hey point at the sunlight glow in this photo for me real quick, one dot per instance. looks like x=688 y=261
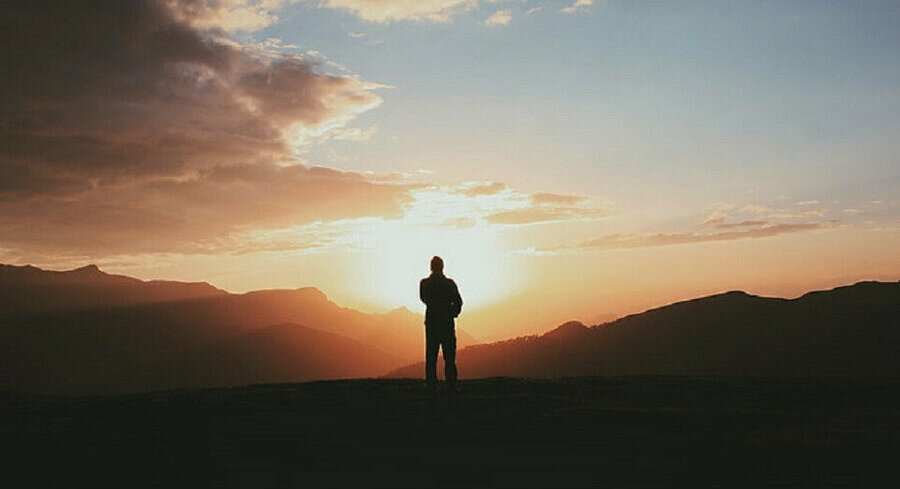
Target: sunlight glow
x=472 y=257
x=474 y=253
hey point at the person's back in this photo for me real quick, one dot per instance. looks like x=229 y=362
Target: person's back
x=443 y=304
x=441 y=297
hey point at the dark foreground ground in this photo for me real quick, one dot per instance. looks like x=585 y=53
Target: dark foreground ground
x=590 y=432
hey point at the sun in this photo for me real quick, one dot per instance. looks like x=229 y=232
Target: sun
x=474 y=257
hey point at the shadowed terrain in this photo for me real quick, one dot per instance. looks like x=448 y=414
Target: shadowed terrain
x=86 y=332
x=847 y=331
x=574 y=432
x=27 y=290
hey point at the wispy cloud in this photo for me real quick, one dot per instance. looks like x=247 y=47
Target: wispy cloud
x=229 y=15
x=547 y=207
x=548 y=198
x=500 y=17
x=623 y=240
x=540 y=214
x=577 y=6
x=396 y=10
x=383 y=11
x=474 y=189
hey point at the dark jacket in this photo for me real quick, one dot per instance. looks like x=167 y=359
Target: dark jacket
x=441 y=296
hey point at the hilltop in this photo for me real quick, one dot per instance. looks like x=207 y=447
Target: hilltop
x=847 y=331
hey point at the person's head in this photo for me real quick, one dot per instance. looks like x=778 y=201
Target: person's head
x=437 y=264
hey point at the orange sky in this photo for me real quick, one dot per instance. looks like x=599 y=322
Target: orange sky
x=569 y=161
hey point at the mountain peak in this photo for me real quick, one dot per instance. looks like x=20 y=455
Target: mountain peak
x=87 y=270
x=313 y=292
x=567 y=330
x=399 y=311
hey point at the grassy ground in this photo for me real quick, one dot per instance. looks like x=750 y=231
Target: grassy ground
x=578 y=432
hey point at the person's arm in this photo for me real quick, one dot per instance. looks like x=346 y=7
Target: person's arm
x=457 y=300
x=423 y=292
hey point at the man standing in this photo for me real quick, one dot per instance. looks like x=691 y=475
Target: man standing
x=443 y=304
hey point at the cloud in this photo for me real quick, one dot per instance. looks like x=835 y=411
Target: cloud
x=756 y=209
x=799 y=215
x=459 y=222
x=394 y=10
x=620 y=240
x=500 y=17
x=741 y=224
x=545 y=207
x=577 y=6
x=474 y=189
x=383 y=11
x=533 y=215
x=228 y=15
x=546 y=198
x=197 y=214
x=720 y=221
x=154 y=132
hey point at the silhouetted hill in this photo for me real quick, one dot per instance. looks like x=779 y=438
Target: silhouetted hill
x=280 y=353
x=847 y=331
x=103 y=333
x=26 y=290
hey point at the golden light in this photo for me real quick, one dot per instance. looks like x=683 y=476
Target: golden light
x=473 y=258
x=397 y=252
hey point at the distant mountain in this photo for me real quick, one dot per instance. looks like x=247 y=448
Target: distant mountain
x=85 y=331
x=847 y=331
x=26 y=290
x=280 y=353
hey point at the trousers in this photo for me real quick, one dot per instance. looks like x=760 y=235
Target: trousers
x=440 y=335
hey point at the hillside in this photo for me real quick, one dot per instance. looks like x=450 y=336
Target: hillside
x=27 y=290
x=847 y=331
x=85 y=331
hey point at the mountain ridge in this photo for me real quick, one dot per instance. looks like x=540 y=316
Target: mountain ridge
x=77 y=333
x=846 y=330
x=85 y=331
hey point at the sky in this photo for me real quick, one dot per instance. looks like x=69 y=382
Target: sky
x=569 y=159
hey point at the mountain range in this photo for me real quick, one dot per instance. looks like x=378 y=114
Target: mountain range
x=848 y=331
x=85 y=331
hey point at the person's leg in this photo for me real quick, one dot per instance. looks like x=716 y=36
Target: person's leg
x=449 y=347
x=432 y=344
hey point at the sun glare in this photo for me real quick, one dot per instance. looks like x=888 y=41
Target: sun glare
x=473 y=258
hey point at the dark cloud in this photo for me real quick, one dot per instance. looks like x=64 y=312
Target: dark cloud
x=129 y=127
x=197 y=214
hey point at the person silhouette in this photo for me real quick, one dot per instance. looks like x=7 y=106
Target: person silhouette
x=443 y=304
